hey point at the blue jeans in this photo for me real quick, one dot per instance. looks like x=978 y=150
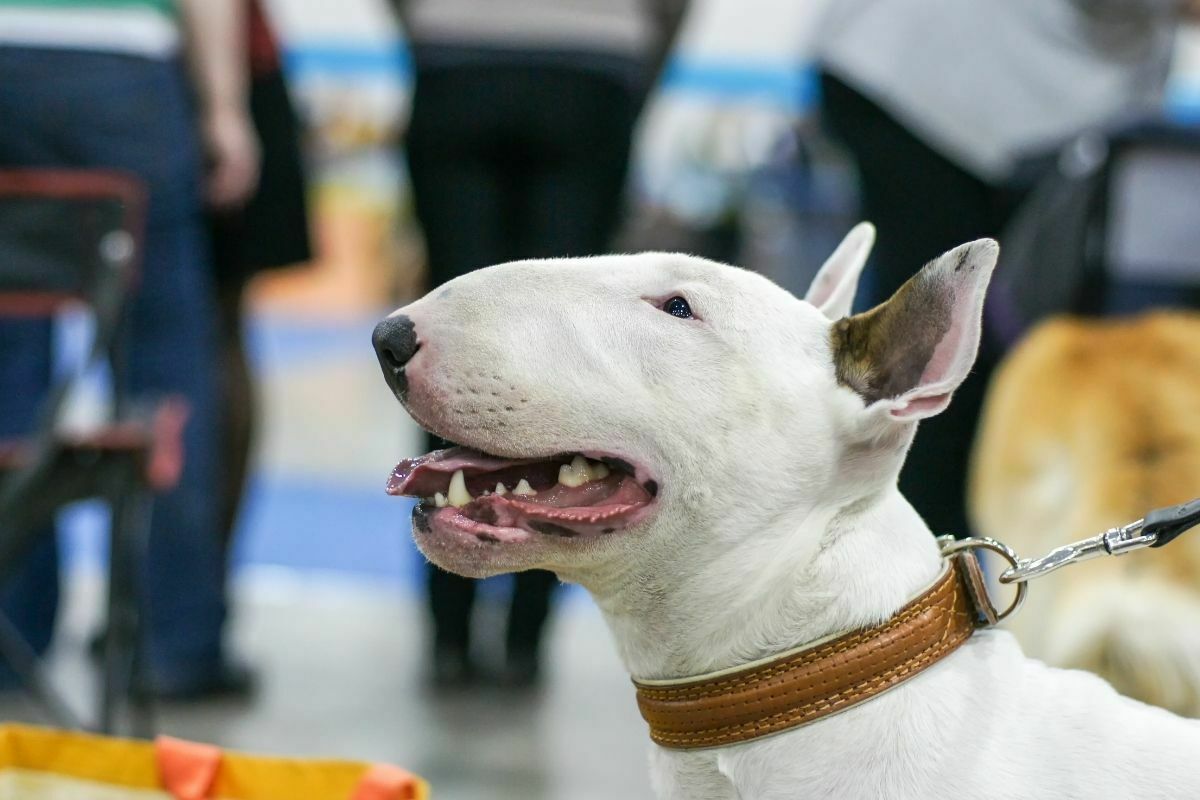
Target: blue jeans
x=75 y=109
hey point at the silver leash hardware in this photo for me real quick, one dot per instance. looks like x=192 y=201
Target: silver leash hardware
x=1154 y=530
x=980 y=599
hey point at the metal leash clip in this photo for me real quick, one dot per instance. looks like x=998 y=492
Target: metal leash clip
x=1155 y=530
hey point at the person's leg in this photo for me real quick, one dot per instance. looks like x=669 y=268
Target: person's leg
x=920 y=202
x=31 y=136
x=237 y=405
x=575 y=143
x=95 y=110
x=270 y=230
x=172 y=351
x=451 y=600
x=29 y=594
x=922 y=205
x=458 y=196
x=527 y=617
x=459 y=203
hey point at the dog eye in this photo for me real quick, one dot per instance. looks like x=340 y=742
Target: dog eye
x=678 y=307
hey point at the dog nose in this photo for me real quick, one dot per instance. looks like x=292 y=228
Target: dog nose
x=395 y=341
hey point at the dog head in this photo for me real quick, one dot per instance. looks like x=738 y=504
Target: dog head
x=660 y=407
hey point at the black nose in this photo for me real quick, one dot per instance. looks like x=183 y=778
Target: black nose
x=395 y=341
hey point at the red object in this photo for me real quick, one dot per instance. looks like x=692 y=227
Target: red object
x=187 y=770
x=385 y=782
x=165 y=465
x=264 y=50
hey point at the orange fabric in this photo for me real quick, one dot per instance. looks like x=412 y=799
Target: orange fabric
x=198 y=772
x=385 y=782
x=81 y=756
x=188 y=770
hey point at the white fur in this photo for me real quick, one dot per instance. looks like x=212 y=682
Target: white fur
x=778 y=521
x=833 y=288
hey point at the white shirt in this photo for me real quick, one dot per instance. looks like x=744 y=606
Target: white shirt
x=618 y=26
x=985 y=81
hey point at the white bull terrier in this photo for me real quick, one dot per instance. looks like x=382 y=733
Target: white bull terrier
x=715 y=460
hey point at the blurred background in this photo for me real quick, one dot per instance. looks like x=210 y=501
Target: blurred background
x=752 y=131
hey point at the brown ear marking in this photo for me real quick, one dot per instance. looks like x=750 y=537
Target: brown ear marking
x=883 y=352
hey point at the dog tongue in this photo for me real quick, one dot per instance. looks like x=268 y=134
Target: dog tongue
x=447 y=462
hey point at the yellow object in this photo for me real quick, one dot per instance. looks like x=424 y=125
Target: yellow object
x=42 y=764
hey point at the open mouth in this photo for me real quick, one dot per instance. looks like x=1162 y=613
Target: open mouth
x=500 y=499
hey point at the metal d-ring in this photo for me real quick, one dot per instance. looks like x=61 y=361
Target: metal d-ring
x=951 y=546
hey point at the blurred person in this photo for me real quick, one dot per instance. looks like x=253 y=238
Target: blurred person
x=951 y=110
x=270 y=230
x=101 y=84
x=518 y=148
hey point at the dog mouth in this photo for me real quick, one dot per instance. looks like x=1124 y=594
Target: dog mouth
x=499 y=499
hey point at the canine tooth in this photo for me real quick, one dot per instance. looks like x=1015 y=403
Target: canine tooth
x=458 y=494
x=575 y=473
x=569 y=477
x=523 y=488
x=500 y=490
x=598 y=470
x=439 y=500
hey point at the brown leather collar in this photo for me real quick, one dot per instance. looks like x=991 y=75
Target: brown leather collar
x=805 y=685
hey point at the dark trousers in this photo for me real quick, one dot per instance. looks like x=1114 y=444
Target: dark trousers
x=512 y=161
x=922 y=204
x=69 y=109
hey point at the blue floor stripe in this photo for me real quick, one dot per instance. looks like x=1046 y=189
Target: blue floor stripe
x=302 y=525
x=390 y=61
x=277 y=343
x=310 y=525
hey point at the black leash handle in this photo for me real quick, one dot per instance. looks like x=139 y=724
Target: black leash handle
x=1167 y=523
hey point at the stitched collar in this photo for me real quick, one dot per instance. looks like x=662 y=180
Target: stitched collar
x=804 y=685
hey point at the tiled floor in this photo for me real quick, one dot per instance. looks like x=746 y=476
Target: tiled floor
x=329 y=607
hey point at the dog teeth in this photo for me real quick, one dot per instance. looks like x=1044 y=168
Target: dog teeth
x=575 y=473
x=580 y=471
x=439 y=500
x=458 y=494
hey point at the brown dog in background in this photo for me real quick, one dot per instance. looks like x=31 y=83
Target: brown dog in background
x=1089 y=425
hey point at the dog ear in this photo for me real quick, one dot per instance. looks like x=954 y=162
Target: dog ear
x=910 y=353
x=832 y=291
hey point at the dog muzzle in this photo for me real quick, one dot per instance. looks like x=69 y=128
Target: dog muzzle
x=807 y=684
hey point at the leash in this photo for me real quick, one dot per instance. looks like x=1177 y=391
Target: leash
x=811 y=682
x=1159 y=527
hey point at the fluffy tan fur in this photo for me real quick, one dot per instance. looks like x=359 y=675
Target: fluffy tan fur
x=1089 y=425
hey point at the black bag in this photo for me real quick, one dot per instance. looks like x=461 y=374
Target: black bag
x=1114 y=227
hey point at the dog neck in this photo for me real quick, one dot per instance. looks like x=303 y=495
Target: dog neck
x=835 y=570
